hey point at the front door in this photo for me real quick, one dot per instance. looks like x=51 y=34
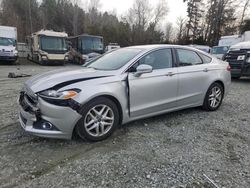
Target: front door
x=156 y=91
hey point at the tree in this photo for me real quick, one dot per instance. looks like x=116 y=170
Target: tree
x=194 y=14
x=69 y=16
x=245 y=7
x=169 y=32
x=75 y=16
x=143 y=19
x=181 y=22
x=160 y=11
x=245 y=26
x=220 y=20
x=24 y=15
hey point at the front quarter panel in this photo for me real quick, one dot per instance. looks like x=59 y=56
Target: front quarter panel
x=114 y=86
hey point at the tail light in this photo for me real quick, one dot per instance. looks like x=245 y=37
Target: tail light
x=228 y=68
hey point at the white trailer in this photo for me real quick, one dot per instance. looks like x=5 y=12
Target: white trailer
x=48 y=47
x=229 y=40
x=245 y=36
x=8 y=40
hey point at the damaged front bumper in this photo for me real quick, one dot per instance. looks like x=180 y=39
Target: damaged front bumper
x=43 y=119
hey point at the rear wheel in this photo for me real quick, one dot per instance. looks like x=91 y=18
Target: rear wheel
x=100 y=117
x=214 y=97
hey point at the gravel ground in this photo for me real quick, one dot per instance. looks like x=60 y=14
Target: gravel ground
x=172 y=150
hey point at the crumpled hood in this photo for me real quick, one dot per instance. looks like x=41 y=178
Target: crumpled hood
x=63 y=77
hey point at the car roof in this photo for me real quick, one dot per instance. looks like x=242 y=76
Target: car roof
x=159 y=46
x=155 y=46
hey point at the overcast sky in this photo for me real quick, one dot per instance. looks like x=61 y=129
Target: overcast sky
x=176 y=7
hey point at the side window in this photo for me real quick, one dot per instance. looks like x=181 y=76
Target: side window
x=205 y=58
x=188 y=57
x=159 y=59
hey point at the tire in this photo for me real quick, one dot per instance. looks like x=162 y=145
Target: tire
x=214 y=97
x=95 y=126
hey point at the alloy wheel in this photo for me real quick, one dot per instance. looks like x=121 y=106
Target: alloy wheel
x=99 y=120
x=215 y=97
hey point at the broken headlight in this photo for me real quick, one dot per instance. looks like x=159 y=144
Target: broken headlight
x=67 y=94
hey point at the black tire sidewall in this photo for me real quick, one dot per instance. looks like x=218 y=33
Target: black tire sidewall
x=80 y=128
x=206 y=104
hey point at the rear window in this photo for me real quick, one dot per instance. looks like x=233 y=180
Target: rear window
x=205 y=58
x=188 y=57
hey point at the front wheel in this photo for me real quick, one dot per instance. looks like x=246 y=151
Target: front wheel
x=100 y=117
x=214 y=97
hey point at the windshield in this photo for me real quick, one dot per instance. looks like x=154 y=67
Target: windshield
x=53 y=43
x=220 y=50
x=92 y=44
x=114 y=60
x=7 y=42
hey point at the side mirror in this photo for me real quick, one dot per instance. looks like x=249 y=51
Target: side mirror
x=142 y=69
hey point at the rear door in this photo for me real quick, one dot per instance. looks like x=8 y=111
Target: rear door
x=156 y=91
x=193 y=71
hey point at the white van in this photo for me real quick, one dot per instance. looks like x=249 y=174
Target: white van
x=8 y=38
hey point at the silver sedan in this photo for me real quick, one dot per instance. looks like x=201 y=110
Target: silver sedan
x=121 y=86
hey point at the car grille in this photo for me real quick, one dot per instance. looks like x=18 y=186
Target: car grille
x=232 y=56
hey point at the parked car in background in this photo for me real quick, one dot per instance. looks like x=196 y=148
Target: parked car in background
x=48 y=47
x=121 y=86
x=85 y=47
x=112 y=46
x=203 y=48
x=238 y=57
x=219 y=51
x=8 y=40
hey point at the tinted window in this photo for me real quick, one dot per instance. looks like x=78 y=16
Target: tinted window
x=159 y=59
x=92 y=43
x=205 y=58
x=53 y=43
x=220 y=50
x=188 y=57
x=114 y=60
x=6 y=42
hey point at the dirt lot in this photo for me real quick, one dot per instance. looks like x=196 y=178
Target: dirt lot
x=172 y=150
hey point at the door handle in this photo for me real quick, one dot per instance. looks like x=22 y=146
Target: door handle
x=205 y=70
x=170 y=74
